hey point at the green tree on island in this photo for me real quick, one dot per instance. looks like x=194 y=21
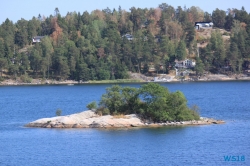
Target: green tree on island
x=151 y=101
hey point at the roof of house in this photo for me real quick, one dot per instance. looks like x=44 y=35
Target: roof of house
x=185 y=60
x=38 y=37
x=203 y=23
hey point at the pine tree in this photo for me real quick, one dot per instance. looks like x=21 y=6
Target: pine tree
x=181 y=52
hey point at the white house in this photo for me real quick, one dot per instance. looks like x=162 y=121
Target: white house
x=128 y=36
x=199 y=25
x=187 y=63
x=37 y=39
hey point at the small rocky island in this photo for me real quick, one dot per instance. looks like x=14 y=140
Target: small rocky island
x=89 y=119
x=149 y=105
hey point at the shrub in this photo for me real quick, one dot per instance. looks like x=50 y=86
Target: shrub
x=195 y=112
x=92 y=105
x=151 y=102
x=58 y=112
x=26 y=79
x=120 y=100
x=102 y=111
x=112 y=99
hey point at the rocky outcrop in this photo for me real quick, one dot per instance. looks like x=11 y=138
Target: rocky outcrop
x=89 y=119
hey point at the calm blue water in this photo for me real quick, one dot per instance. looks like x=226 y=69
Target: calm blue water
x=196 y=145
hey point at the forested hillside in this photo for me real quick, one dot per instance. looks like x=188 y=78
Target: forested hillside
x=105 y=44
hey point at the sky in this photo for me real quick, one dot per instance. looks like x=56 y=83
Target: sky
x=14 y=10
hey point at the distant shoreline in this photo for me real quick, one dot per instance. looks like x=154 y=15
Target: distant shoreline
x=113 y=82
x=209 y=78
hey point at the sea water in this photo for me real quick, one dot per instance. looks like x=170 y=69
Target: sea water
x=225 y=144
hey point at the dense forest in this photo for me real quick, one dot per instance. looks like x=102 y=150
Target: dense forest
x=106 y=44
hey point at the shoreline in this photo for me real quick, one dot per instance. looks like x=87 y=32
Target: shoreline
x=72 y=82
x=134 y=78
x=89 y=119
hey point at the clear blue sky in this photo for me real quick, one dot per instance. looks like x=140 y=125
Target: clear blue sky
x=17 y=9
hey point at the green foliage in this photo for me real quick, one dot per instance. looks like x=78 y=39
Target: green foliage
x=181 y=51
x=218 y=17
x=63 y=67
x=199 y=67
x=151 y=92
x=121 y=72
x=190 y=34
x=93 y=46
x=130 y=100
x=112 y=99
x=92 y=105
x=83 y=72
x=229 y=21
x=13 y=70
x=3 y=64
x=151 y=101
x=102 y=111
x=26 y=79
x=120 y=100
x=58 y=112
x=103 y=74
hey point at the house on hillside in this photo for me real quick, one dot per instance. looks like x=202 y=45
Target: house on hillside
x=128 y=36
x=199 y=25
x=37 y=39
x=187 y=63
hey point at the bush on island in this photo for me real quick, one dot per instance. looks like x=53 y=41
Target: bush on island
x=58 y=112
x=151 y=101
x=92 y=105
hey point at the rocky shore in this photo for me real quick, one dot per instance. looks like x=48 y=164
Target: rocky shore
x=38 y=82
x=89 y=119
x=135 y=77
